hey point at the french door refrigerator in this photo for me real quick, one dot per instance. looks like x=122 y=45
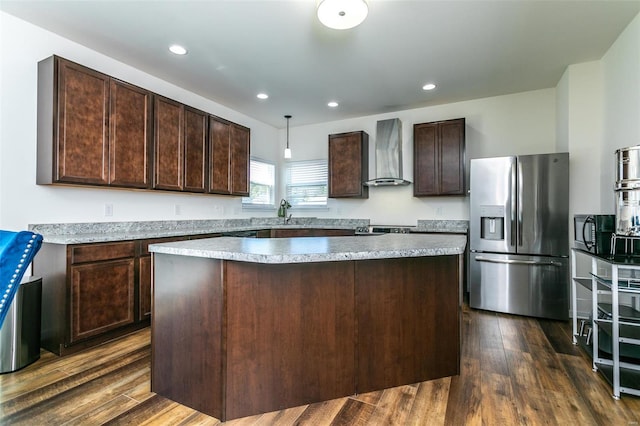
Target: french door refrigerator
x=519 y=235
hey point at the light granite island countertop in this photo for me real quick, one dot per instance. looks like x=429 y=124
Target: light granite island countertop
x=242 y=326
x=316 y=249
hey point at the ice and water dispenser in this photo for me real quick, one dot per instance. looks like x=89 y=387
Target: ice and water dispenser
x=492 y=222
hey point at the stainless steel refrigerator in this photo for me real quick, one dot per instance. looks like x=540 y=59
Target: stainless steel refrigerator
x=519 y=235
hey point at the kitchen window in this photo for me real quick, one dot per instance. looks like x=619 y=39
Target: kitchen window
x=307 y=183
x=262 y=184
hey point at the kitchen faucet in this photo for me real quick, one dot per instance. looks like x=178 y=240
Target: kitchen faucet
x=282 y=211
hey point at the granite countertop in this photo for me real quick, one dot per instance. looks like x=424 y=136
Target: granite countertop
x=316 y=249
x=81 y=233
x=443 y=226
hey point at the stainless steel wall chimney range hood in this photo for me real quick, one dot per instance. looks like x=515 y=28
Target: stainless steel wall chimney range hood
x=388 y=154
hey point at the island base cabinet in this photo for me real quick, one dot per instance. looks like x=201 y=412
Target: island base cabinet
x=407 y=316
x=292 y=327
x=234 y=339
x=186 y=332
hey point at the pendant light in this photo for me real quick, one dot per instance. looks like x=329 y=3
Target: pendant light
x=342 y=14
x=287 y=151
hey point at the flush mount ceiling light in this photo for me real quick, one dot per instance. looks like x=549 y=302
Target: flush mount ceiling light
x=177 y=49
x=429 y=86
x=287 y=151
x=342 y=14
x=332 y=104
x=262 y=96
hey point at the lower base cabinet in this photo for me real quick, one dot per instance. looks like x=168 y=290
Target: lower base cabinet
x=243 y=338
x=95 y=292
x=102 y=297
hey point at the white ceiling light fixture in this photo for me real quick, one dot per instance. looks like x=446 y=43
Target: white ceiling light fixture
x=332 y=104
x=287 y=151
x=262 y=96
x=342 y=14
x=177 y=49
x=429 y=86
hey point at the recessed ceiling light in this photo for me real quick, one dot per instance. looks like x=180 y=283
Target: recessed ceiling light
x=332 y=104
x=177 y=49
x=429 y=86
x=262 y=96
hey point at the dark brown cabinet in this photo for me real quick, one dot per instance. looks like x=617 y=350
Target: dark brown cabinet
x=102 y=297
x=95 y=292
x=89 y=294
x=348 y=165
x=96 y=130
x=168 y=136
x=228 y=157
x=439 y=158
x=180 y=136
x=129 y=135
x=195 y=150
x=92 y=129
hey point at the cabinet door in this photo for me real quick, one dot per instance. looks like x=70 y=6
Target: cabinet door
x=168 y=144
x=425 y=159
x=219 y=156
x=102 y=297
x=239 y=141
x=348 y=165
x=129 y=136
x=82 y=125
x=452 y=161
x=439 y=158
x=144 y=277
x=195 y=150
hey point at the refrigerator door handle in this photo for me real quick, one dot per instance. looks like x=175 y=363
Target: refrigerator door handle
x=520 y=202
x=512 y=197
x=518 y=262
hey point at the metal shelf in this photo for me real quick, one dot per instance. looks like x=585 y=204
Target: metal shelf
x=625 y=285
x=615 y=332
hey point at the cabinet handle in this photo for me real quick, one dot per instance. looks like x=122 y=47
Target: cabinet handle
x=518 y=262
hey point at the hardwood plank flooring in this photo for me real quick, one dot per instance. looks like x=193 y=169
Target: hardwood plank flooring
x=514 y=371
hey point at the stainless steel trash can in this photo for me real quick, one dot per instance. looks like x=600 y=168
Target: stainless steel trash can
x=20 y=332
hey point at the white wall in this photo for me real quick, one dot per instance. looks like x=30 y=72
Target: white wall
x=522 y=123
x=621 y=106
x=23 y=202
x=579 y=130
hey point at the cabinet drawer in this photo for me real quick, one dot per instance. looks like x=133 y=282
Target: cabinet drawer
x=144 y=245
x=95 y=252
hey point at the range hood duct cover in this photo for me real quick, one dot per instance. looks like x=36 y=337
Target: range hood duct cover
x=388 y=154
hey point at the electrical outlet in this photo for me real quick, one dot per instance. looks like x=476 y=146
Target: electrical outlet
x=439 y=212
x=108 y=209
x=177 y=209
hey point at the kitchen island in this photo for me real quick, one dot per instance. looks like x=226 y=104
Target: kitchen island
x=242 y=326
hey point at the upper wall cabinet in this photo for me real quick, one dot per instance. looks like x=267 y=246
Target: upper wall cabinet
x=439 y=158
x=228 y=157
x=180 y=142
x=92 y=129
x=96 y=130
x=168 y=144
x=195 y=150
x=348 y=165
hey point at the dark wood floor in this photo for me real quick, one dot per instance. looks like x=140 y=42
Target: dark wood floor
x=514 y=370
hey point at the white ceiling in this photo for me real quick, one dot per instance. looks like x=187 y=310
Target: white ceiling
x=237 y=48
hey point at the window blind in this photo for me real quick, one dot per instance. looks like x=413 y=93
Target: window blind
x=307 y=183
